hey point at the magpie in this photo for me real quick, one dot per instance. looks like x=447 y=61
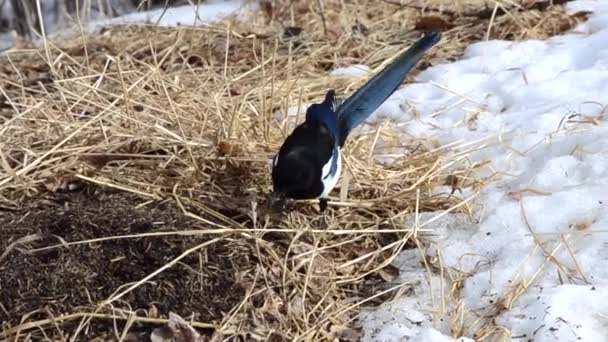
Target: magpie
x=309 y=162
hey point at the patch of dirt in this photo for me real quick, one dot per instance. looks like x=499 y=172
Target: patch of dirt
x=202 y=285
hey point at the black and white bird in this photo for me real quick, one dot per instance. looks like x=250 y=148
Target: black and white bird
x=309 y=162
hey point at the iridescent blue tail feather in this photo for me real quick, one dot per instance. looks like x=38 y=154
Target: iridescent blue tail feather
x=352 y=112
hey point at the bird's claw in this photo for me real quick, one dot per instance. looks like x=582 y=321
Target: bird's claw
x=322 y=204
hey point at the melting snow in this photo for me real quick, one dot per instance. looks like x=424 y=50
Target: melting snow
x=543 y=106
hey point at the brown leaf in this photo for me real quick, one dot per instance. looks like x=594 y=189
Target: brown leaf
x=566 y=24
x=235 y=90
x=177 y=330
x=273 y=306
x=292 y=31
x=65 y=183
x=582 y=15
x=162 y=334
x=361 y=251
x=228 y=148
x=389 y=273
x=454 y=182
x=302 y=7
x=21 y=43
x=132 y=337
x=267 y=8
x=432 y=23
x=301 y=248
x=343 y=333
x=334 y=29
x=360 y=28
x=98 y=161
x=333 y=35
x=541 y=5
x=571 y=21
x=153 y=311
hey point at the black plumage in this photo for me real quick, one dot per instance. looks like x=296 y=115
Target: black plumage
x=308 y=164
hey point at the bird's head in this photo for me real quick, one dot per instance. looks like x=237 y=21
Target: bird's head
x=293 y=176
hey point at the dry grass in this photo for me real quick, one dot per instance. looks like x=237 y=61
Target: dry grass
x=188 y=116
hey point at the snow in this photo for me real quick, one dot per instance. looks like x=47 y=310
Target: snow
x=207 y=11
x=409 y=317
x=542 y=226
x=58 y=25
x=356 y=70
x=561 y=313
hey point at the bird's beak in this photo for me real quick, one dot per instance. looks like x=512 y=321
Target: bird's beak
x=277 y=200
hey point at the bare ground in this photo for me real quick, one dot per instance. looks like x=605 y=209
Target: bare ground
x=42 y=284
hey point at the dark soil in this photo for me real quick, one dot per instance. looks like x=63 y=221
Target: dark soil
x=77 y=278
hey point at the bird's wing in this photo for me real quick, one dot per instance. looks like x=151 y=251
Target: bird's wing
x=352 y=112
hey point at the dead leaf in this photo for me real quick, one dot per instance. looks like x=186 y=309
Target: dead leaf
x=228 y=148
x=65 y=183
x=333 y=35
x=161 y=334
x=541 y=5
x=345 y=333
x=360 y=28
x=582 y=226
x=582 y=15
x=362 y=251
x=389 y=273
x=334 y=30
x=432 y=23
x=235 y=90
x=292 y=31
x=267 y=8
x=132 y=337
x=453 y=181
x=176 y=330
x=301 y=247
x=302 y=7
x=153 y=311
x=98 y=161
x=571 y=21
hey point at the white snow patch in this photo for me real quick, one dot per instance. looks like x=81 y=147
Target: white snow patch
x=356 y=70
x=562 y=313
x=542 y=106
x=404 y=317
x=186 y=15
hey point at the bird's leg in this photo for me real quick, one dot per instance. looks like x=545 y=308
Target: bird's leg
x=322 y=204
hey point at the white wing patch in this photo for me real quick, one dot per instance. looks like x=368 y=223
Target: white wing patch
x=330 y=181
x=272 y=163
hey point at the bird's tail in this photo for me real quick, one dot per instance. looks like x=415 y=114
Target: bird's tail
x=352 y=112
